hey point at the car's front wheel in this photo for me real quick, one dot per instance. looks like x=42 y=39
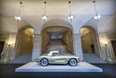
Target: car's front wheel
x=44 y=62
x=73 y=62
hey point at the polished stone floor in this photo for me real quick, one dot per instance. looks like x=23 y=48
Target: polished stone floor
x=92 y=58
x=8 y=71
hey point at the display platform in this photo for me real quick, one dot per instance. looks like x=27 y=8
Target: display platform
x=81 y=67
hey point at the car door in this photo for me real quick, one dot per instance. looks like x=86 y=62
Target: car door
x=58 y=59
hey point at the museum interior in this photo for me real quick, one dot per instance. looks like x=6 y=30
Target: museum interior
x=32 y=28
x=84 y=28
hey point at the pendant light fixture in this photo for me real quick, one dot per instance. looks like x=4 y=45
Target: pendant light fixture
x=70 y=17
x=44 y=17
x=18 y=18
x=97 y=17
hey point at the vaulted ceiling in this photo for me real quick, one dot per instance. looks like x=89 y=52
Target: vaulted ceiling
x=32 y=10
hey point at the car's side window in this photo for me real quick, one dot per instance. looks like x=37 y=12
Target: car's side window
x=55 y=54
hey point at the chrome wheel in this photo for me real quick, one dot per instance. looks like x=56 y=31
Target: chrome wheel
x=73 y=62
x=44 y=62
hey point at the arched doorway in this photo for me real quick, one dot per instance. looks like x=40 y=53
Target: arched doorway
x=24 y=42
x=57 y=38
x=89 y=40
x=1 y=47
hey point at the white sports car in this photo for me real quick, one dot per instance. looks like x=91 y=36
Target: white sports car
x=54 y=57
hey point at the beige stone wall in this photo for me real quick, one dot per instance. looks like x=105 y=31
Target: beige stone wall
x=111 y=36
x=45 y=41
x=26 y=44
x=3 y=37
x=87 y=40
x=68 y=40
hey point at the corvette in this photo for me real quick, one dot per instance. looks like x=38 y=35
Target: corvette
x=54 y=57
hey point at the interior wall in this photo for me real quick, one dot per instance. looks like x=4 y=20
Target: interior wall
x=106 y=39
x=3 y=37
x=68 y=40
x=45 y=41
x=26 y=44
x=9 y=46
x=87 y=40
x=86 y=43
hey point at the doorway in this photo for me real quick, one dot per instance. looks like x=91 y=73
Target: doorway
x=90 y=45
x=25 y=41
x=89 y=40
x=1 y=47
x=57 y=38
x=24 y=45
x=114 y=47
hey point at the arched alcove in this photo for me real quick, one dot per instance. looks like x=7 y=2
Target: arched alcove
x=24 y=42
x=89 y=40
x=57 y=34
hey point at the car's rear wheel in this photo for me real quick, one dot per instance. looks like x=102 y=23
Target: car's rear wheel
x=44 y=62
x=72 y=62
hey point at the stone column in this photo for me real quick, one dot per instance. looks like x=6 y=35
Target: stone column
x=77 y=46
x=36 y=46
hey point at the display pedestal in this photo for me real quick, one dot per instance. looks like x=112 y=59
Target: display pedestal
x=81 y=67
